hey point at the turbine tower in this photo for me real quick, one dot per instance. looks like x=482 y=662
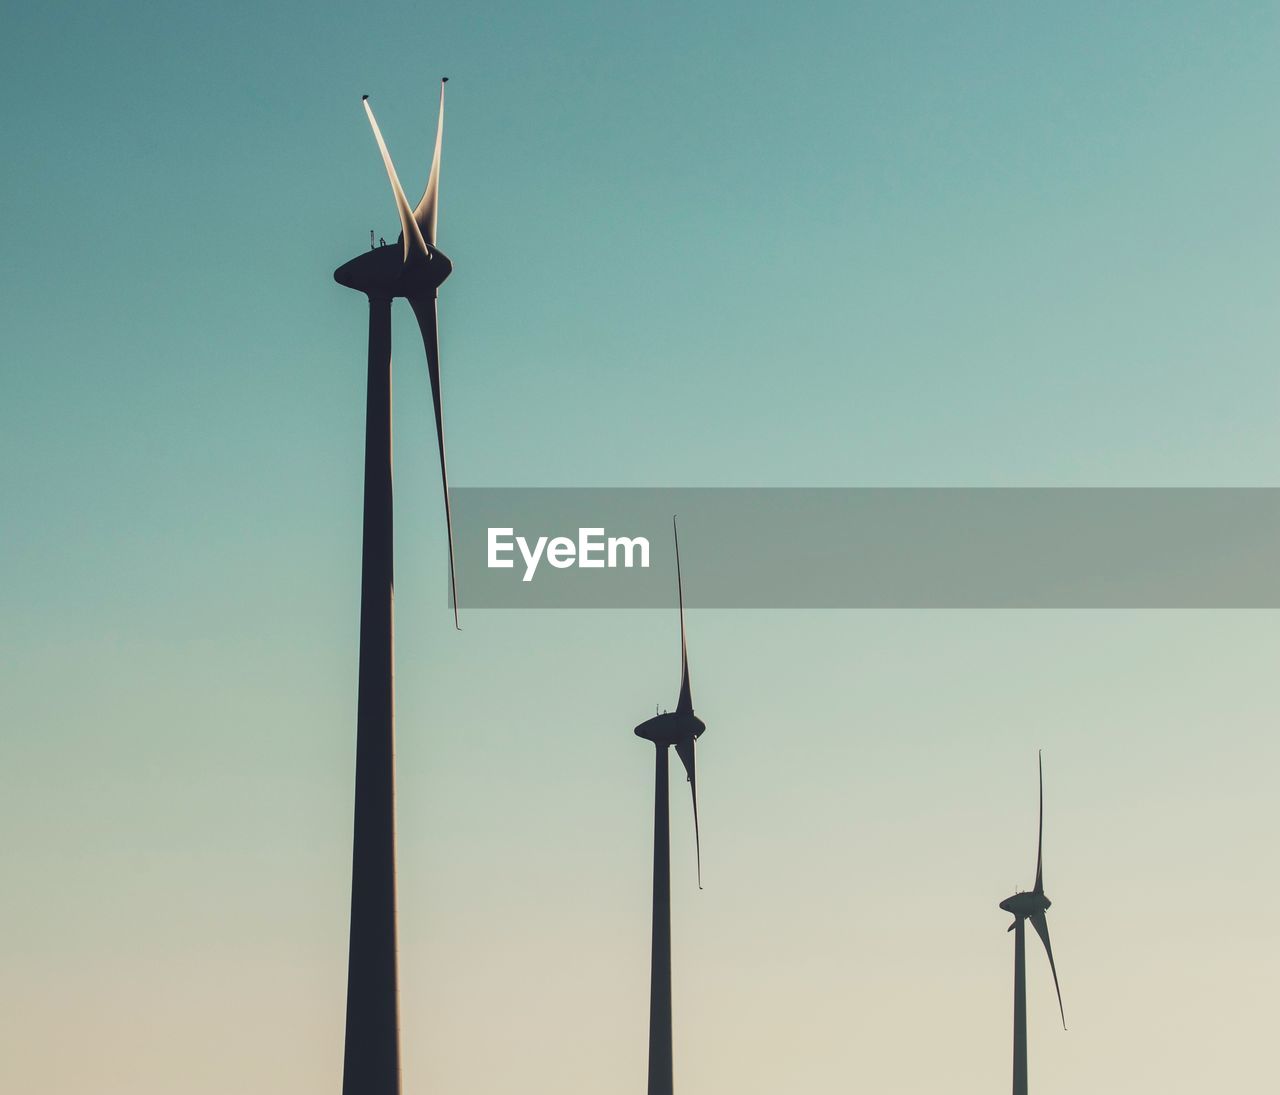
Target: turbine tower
x=414 y=268
x=1029 y=906
x=680 y=728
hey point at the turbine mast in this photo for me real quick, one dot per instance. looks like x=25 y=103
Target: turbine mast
x=1019 y=1008
x=661 y=1070
x=371 y=1063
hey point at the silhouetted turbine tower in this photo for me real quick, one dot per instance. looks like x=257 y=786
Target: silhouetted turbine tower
x=1029 y=906
x=413 y=269
x=680 y=728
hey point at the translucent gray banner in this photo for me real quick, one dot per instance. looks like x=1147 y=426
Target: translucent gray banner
x=870 y=548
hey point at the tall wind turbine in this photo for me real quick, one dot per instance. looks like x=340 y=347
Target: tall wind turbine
x=1029 y=906
x=680 y=728
x=414 y=268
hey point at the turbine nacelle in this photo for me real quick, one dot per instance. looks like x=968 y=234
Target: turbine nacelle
x=383 y=272
x=1026 y=905
x=672 y=728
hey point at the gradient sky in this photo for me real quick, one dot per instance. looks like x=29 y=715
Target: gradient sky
x=734 y=244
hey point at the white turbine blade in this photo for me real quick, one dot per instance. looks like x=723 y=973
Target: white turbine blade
x=413 y=240
x=1040 y=839
x=425 y=310
x=428 y=211
x=685 y=703
x=685 y=750
x=1041 y=925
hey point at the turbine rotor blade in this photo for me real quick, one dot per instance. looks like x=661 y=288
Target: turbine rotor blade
x=427 y=212
x=1041 y=925
x=685 y=704
x=409 y=230
x=425 y=310
x=685 y=750
x=1040 y=840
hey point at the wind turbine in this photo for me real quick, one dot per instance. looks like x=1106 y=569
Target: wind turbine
x=1029 y=906
x=680 y=728
x=413 y=269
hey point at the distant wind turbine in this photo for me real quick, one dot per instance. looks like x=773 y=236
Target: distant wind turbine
x=680 y=728
x=1029 y=906
x=414 y=270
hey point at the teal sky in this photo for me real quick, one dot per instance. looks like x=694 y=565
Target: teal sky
x=850 y=244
